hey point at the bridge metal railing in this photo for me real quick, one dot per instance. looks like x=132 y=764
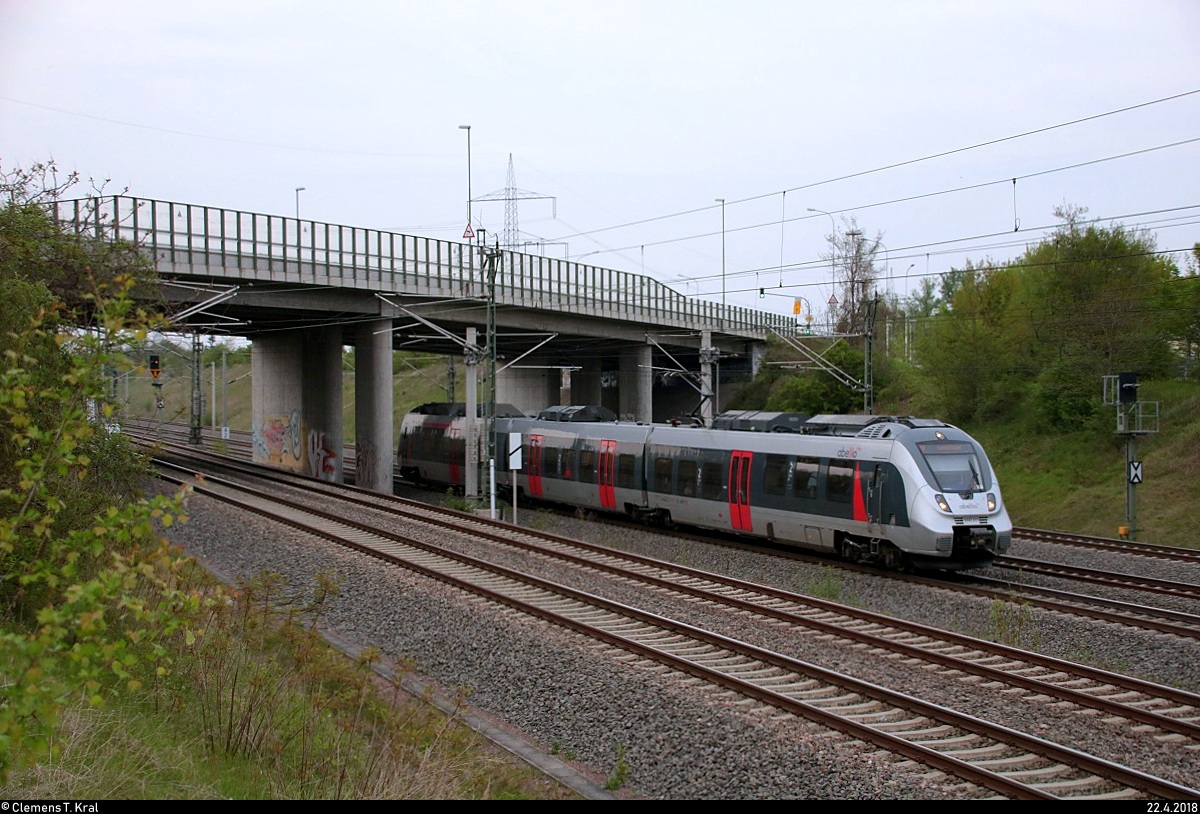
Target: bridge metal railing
x=227 y=243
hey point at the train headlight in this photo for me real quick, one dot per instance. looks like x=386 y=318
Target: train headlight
x=941 y=502
x=991 y=502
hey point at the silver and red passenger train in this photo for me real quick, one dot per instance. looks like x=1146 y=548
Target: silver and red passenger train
x=894 y=491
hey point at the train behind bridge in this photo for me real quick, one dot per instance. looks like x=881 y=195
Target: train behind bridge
x=902 y=493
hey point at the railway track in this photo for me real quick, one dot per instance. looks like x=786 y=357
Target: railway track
x=1009 y=763
x=1136 y=582
x=1109 y=544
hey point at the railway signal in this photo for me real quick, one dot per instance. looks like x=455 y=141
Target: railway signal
x=154 y=371
x=1134 y=417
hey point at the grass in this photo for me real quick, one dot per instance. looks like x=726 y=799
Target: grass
x=257 y=706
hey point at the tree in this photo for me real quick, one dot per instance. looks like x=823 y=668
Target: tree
x=77 y=545
x=1096 y=302
x=970 y=354
x=1184 y=324
x=816 y=391
x=1090 y=301
x=852 y=256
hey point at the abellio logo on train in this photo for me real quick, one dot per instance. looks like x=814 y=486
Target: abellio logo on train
x=849 y=452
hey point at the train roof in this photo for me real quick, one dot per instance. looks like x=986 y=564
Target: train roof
x=843 y=425
x=458 y=409
x=760 y=421
x=867 y=425
x=579 y=412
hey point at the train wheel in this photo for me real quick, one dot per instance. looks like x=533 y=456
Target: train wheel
x=894 y=559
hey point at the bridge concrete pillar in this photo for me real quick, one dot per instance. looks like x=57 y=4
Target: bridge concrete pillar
x=296 y=402
x=322 y=382
x=529 y=389
x=374 y=424
x=636 y=384
x=276 y=401
x=758 y=353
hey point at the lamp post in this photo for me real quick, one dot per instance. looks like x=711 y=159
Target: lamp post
x=832 y=223
x=907 y=315
x=467 y=127
x=832 y=258
x=722 y=202
x=887 y=263
x=298 y=191
x=911 y=266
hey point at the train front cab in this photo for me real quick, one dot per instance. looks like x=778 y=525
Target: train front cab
x=959 y=518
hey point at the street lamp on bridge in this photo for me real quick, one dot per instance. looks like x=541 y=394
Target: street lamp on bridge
x=721 y=201
x=832 y=260
x=298 y=191
x=467 y=127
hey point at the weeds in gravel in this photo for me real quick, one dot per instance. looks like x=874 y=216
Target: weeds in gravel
x=1012 y=623
x=829 y=586
x=541 y=520
x=459 y=503
x=620 y=770
x=556 y=748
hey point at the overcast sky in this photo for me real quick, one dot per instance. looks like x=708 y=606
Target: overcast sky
x=625 y=121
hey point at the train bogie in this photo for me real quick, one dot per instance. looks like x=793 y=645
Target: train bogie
x=894 y=491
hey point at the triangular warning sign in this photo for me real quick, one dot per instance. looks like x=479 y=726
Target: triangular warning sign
x=469 y=234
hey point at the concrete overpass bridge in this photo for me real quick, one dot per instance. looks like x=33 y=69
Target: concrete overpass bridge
x=301 y=290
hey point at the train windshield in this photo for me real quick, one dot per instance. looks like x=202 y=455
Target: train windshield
x=955 y=466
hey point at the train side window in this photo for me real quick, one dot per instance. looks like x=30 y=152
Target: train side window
x=804 y=477
x=662 y=475
x=839 y=483
x=587 y=465
x=775 y=474
x=626 y=471
x=568 y=464
x=549 y=462
x=712 y=486
x=686 y=485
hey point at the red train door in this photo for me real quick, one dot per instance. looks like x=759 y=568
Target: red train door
x=534 y=469
x=608 y=458
x=739 y=490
